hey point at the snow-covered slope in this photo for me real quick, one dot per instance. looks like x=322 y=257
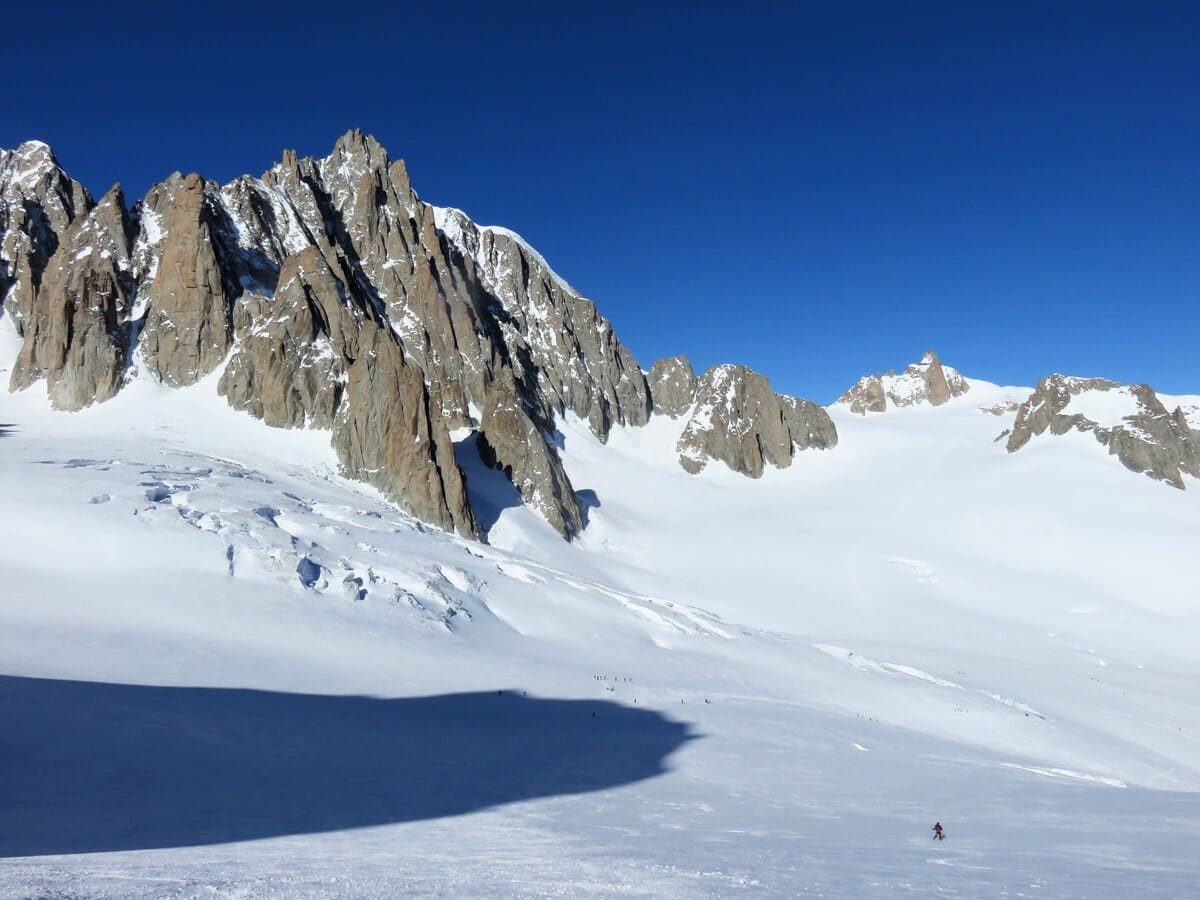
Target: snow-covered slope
x=229 y=671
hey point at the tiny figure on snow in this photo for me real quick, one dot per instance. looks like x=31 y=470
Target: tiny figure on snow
x=938 y=834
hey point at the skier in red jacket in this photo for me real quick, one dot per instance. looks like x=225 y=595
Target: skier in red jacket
x=938 y=834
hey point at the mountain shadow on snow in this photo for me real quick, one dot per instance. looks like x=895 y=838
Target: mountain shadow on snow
x=89 y=767
x=588 y=500
x=489 y=490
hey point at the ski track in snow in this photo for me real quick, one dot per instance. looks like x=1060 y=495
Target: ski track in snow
x=869 y=665
x=1067 y=773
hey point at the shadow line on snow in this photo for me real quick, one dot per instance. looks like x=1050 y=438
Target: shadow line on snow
x=7 y=428
x=89 y=767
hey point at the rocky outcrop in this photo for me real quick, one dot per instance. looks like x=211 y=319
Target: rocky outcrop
x=316 y=355
x=1001 y=408
x=869 y=395
x=289 y=367
x=1156 y=442
x=1044 y=410
x=739 y=420
x=75 y=326
x=927 y=381
x=509 y=441
x=388 y=433
x=808 y=424
x=38 y=201
x=188 y=324
x=673 y=384
x=1136 y=428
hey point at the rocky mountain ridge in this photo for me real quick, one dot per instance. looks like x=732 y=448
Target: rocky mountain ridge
x=927 y=381
x=326 y=294
x=1130 y=420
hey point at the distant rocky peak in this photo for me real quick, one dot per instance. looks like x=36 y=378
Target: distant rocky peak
x=497 y=251
x=927 y=381
x=1130 y=420
x=355 y=145
x=353 y=156
x=38 y=202
x=31 y=165
x=35 y=149
x=26 y=163
x=362 y=180
x=739 y=420
x=31 y=176
x=673 y=384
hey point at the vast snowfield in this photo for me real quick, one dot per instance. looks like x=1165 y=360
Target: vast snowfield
x=228 y=672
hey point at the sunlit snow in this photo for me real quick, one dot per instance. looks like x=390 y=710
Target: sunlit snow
x=231 y=672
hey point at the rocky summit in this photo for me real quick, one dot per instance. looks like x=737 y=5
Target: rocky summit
x=927 y=381
x=325 y=294
x=673 y=386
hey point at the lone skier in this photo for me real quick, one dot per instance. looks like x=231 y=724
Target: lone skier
x=938 y=834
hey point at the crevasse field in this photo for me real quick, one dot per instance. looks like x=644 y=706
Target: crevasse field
x=228 y=672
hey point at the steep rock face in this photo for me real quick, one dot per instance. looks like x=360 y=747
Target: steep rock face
x=739 y=420
x=558 y=338
x=510 y=441
x=809 y=424
x=187 y=329
x=1156 y=442
x=1044 y=410
x=927 y=381
x=38 y=201
x=673 y=385
x=388 y=434
x=289 y=365
x=1130 y=420
x=314 y=354
x=359 y=210
x=75 y=327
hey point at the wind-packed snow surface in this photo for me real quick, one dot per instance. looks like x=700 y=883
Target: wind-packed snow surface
x=229 y=672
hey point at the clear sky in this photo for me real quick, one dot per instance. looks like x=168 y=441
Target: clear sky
x=816 y=190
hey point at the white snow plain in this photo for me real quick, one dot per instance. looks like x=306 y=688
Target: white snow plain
x=727 y=687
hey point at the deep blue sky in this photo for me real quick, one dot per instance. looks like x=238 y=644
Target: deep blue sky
x=816 y=190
